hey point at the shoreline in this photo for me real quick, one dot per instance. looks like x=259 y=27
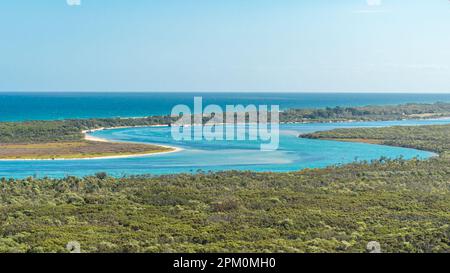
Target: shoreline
x=88 y=137
x=371 y=142
x=86 y=132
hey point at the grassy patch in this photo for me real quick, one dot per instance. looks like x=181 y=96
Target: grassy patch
x=75 y=150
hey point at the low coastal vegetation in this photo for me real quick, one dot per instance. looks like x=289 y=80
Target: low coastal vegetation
x=368 y=113
x=403 y=205
x=434 y=138
x=65 y=140
x=64 y=130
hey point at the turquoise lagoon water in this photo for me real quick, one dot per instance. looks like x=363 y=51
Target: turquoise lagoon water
x=294 y=153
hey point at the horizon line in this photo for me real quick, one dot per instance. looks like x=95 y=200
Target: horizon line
x=229 y=91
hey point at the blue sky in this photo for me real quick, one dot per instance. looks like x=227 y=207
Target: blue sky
x=225 y=45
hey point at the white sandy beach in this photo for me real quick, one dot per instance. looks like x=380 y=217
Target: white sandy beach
x=97 y=139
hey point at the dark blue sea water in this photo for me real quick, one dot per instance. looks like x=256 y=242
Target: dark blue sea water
x=49 y=106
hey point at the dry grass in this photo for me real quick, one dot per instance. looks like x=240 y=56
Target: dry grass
x=73 y=150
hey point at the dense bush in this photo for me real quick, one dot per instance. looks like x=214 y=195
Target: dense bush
x=401 y=204
x=404 y=205
x=368 y=113
x=65 y=130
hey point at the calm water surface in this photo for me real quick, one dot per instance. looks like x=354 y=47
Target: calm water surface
x=294 y=153
x=50 y=106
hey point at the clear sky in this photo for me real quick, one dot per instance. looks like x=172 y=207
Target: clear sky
x=225 y=45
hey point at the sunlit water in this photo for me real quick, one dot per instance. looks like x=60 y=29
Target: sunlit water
x=294 y=153
x=63 y=105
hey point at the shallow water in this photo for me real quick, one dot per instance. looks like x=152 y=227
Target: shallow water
x=294 y=153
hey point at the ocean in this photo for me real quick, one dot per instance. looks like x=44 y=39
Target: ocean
x=50 y=106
